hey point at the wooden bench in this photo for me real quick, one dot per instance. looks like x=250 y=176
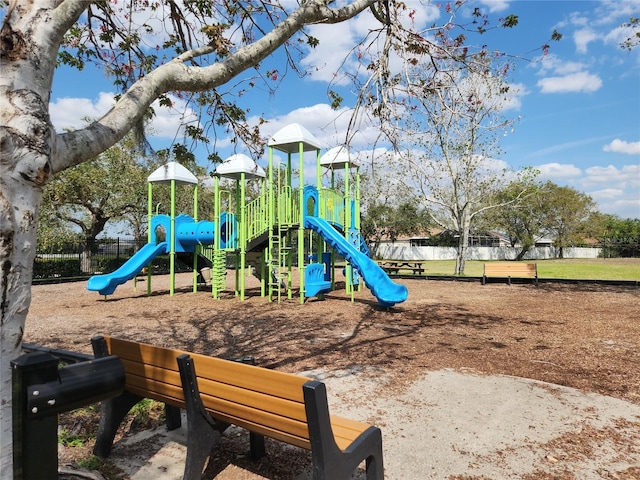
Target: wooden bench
x=510 y=270
x=217 y=393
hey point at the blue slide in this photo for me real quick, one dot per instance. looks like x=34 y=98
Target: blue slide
x=383 y=288
x=106 y=284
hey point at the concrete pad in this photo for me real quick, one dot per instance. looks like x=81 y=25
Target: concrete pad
x=451 y=423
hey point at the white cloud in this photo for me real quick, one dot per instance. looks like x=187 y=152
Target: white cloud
x=558 y=66
x=335 y=43
x=582 y=38
x=618 y=202
x=326 y=124
x=335 y=52
x=627 y=176
x=169 y=122
x=616 y=190
x=73 y=113
x=575 y=82
x=607 y=194
x=69 y=113
x=558 y=171
x=513 y=99
x=620 y=146
x=496 y=5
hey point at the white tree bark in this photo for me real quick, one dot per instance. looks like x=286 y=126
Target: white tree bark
x=31 y=151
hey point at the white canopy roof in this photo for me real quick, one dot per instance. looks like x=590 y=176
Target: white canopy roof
x=238 y=164
x=288 y=139
x=172 y=171
x=337 y=157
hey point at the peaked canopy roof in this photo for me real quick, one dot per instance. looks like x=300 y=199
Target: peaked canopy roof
x=288 y=139
x=337 y=157
x=172 y=171
x=236 y=165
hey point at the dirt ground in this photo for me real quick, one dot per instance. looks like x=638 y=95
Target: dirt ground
x=584 y=336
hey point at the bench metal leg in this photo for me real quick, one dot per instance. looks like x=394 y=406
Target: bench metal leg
x=202 y=430
x=329 y=462
x=114 y=410
x=172 y=415
x=256 y=442
x=112 y=413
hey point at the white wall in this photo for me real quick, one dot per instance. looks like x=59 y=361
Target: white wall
x=406 y=252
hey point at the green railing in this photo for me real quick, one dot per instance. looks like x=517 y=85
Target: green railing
x=288 y=212
x=257 y=217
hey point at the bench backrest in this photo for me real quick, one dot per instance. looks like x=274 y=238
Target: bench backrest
x=508 y=269
x=265 y=401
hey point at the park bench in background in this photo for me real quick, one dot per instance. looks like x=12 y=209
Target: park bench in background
x=217 y=393
x=510 y=270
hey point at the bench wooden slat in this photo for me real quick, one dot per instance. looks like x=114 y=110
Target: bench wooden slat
x=258 y=420
x=152 y=387
x=252 y=400
x=270 y=382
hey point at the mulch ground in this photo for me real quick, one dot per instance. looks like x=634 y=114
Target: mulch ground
x=585 y=336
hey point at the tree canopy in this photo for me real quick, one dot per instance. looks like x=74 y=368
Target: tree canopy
x=452 y=135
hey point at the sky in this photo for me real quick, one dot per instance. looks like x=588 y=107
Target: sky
x=577 y=108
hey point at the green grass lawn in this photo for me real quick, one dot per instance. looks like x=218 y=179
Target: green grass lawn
x=575 y=269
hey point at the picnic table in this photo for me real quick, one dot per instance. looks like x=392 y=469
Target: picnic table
x=394 y=266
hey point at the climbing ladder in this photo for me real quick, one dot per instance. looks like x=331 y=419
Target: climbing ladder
x=279 y=254
x=218 y=272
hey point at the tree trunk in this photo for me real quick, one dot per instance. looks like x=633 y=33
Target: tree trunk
x=26 y=146
x=523 y=251
x=461 y=254
x=463 y=245
x=86 y=260
x=19 y=202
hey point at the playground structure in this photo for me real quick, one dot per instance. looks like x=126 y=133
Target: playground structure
x=288 y=223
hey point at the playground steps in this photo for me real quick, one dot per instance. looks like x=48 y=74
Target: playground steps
x=279 y=255
x=219 y=272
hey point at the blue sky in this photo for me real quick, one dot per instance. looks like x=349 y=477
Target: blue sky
x=578 y=106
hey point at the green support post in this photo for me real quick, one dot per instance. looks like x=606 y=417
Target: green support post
x=242 y=234
x=196 y=249
x=301 y=223
x=149 y=232
x=216 y=235
x=172 y=239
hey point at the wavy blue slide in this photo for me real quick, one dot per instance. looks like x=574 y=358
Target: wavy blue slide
x=106 y=284
x=383 y=288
